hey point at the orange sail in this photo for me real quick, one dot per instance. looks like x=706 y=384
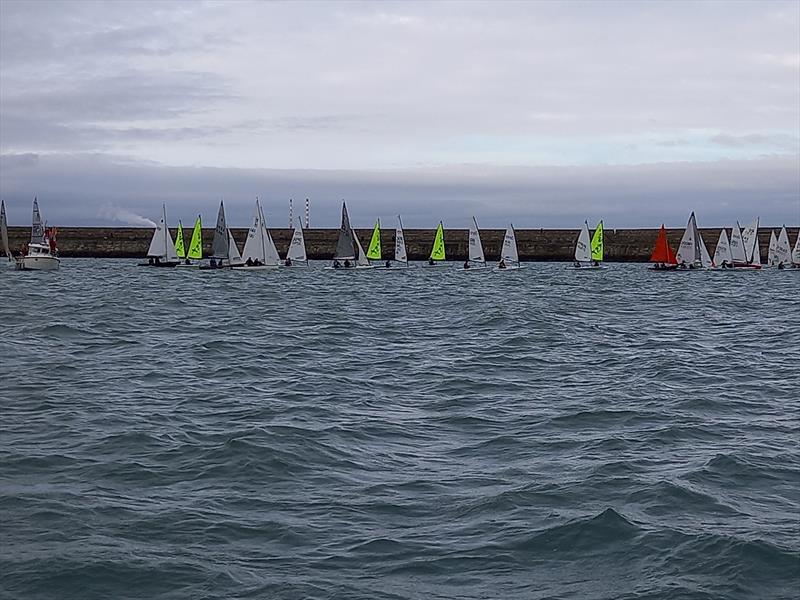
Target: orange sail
x=662 y=253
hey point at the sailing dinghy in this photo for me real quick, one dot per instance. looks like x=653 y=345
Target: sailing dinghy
x=509 y=256
x=400 y=255
x=744 y=246
x=374 y=248
x=161 y=252
x=783 y=253
x=796 y=252
x=259 y=252
x=195 y=250
x=437 y=251
x=349 y=254
x=224 y=252
x=692 y=251
x=589 y=253
x=663 y=256
x=296 y=254
x=476 y=259
x=723 y=259
x=4 y=234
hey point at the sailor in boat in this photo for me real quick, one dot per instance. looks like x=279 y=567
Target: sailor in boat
x=780 y=265
x=347 y=264
x=287 y=262
x=157 y=261
x=595 y=263
x=682 y=265
x=388 y=264
x=577 y=264
x=466 y=264
x=501 y=264
x=430 y=262
x=249 y=262
x=150 y=261
x=212 y=263
x=257 y=263
x=187 y=262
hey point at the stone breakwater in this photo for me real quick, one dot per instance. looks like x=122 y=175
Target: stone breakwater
x=621 y=245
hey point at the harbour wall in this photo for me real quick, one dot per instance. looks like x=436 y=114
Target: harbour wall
x=621 y=245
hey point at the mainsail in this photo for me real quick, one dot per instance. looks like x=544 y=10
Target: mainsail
x=583 y=251
x=180 y=248
x=4 y=230
x=662 y=253
x=752 y=251
x=255 y=245
x=796 y=250
x=597 y=243
x=162 y=246
x=361 y=258
x=219 y=246
x=737 y=245
x=400 y=243
x=772 y=253
x=437 y=252
x=297 y=247
x=196 y=245
x=37 y=229
x=374 y=248
x=783 y=251
x=234 y=258
x=509 y=251
x=345 y=245
x=722 y=253
x=475 y=246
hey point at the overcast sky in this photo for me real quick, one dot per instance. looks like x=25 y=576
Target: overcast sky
x=544 y=113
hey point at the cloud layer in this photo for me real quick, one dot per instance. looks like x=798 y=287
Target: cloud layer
x=391 y=93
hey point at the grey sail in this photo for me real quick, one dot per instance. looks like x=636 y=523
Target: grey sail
x=219 y=247
x=345 y=246
x=4 y=230
x=37 y=230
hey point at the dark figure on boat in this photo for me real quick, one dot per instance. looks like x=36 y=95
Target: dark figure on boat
x=780 y=265
x=466 y=264
x=187 y=262
x=150 y=261
x=577 y=264
x=388 y=264
x=595 y=263
x=213 y=264
x=288 y=262
x=157 y=261
x=502 y=264
x=249 y=262
x=430 y=262
x=346 y=264
x=336 y=264
x=257 y=262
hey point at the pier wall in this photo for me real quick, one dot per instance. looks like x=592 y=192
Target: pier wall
x=621 y=245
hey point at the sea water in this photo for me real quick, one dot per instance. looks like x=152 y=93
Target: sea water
x=420 y=433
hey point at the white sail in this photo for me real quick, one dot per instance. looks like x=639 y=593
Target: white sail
x=705 y=259
x=345 y=246
x=722 y=253
x=509 y=252
x=737 y=244
x=752 y=252
x=361 y=258
x=254 y=246
x=783 y=251
x=4 y=230
x=271 y=256
x=297 y=247
x=219 y=247
x=234 y=258
x=772 y=258
x=689 y=248
x=37 y=229
x=475 y=246
x=796 y=250
x=583 y=252
x=162 y=245
x=400 y=243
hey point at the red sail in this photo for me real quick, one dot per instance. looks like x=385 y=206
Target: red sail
x=662 y=253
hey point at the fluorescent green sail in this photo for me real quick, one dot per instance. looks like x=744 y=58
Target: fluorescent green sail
x=374 y=250
x=437 y=252
x=196 y=245
x=180 y=250
x=597 y=242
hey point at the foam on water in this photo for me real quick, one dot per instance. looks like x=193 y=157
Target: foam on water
x=304 y=433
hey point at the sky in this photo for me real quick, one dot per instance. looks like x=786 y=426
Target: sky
x=540 y=113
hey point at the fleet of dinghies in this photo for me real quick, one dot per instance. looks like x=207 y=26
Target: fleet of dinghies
x=739 y=251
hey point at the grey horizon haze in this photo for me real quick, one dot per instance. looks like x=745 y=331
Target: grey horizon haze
x=539 y=113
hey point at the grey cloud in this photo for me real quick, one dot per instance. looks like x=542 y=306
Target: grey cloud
x=73 y=190
x=787 y=142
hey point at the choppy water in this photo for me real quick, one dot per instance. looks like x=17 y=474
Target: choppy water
x=421 y=434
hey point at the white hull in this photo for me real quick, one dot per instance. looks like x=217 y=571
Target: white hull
x=189 y=266
x=475 y=268
x=38 y=263
x=294 y=266
x=256 y=268
x=587 y=268
x=509 y=268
